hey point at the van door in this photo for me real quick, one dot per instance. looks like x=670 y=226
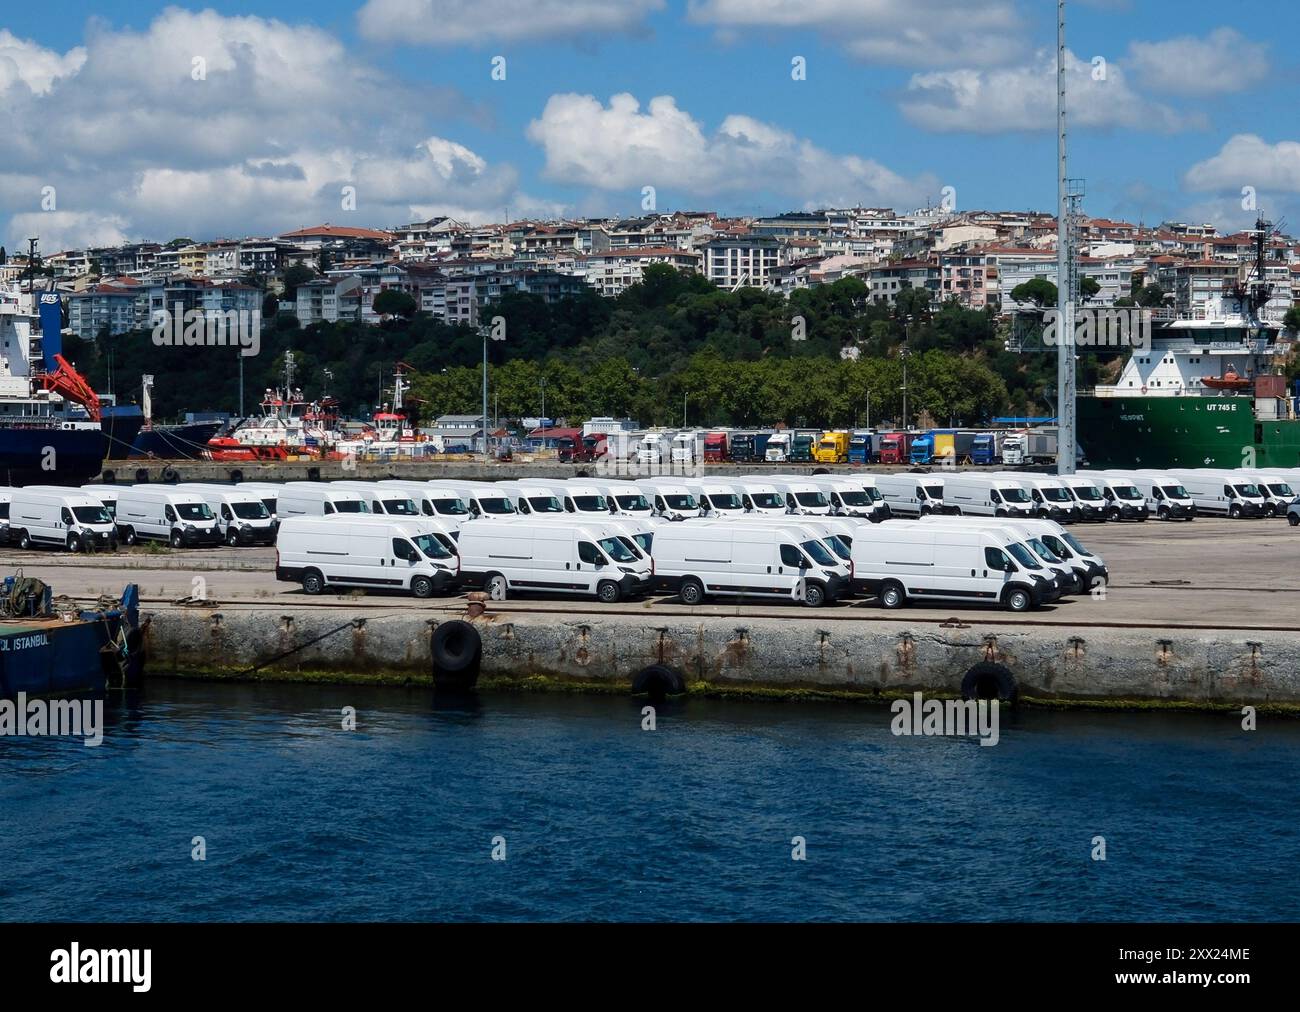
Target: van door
x=995 y=572
x=404 y=559
x=792 y=564
x=591 y=566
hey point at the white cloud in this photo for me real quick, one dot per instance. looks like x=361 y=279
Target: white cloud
x=665 y=147
x=1222 y=62
x=63 y=230
x=932 y=33
x=457 y=22
x=1024 y=98
x=24 y=62
x=279 y=119
x=1248 y=160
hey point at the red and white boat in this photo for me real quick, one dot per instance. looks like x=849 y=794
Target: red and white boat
x=289 y=427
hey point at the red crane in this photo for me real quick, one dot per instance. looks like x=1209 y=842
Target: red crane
x=71 y=385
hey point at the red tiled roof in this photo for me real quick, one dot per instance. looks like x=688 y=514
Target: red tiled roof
x=337 y=232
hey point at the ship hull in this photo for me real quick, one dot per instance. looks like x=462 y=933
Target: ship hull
x=175 y=442
x=50 y=456
x=121 y=425
x=1182 y=432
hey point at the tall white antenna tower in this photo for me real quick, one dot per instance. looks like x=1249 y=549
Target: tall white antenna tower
x=1067 y=203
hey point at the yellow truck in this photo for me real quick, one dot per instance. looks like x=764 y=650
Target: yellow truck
x=832 y=448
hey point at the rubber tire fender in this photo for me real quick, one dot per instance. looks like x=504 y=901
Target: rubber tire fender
x=456 y=647
x=658 y=681
x=986 y=676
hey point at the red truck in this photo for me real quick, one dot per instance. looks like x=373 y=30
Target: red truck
x=715 y=446
x=895 y=447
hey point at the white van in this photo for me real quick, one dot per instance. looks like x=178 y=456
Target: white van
x=522 y=556
x=1052 y=500
x=967 y=494
x=635 y=532
x=626 y=498
x=717 y=498
x=181 y=517
x=1087 y=564
x=268 y=492
x=242 y=517
x=1064 y=578
x=442 y=504
x=483 y=499
x=670 y=499
x=67 y=517
x=897 y=563
x=802 y=496
x=1091 y=505
x=728 y=559
x=384 y=500
x=364 y=550
x=1124 y=501
x=318 y=499
x=1277 y=490
x=534 y=501
x=835 y=534
x=107 y=494
x=760 y=496
x=857 y=496
x=1223 y=493
x=906 y=494
x=1164 y=494
x=585 y=499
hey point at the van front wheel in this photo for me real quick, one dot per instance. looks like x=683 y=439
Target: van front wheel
x=24 y=540
x=128 y=535
x=892 y=596
x=177 y=540
x=232 y=538
x=1018 y=600
x=691 y=592
x=313 y=582
x=75 y=544
x=813 y=595
x=422 y=586
x=608 y=592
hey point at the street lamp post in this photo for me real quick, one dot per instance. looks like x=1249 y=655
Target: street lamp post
x=907 y=336
x=543 y=384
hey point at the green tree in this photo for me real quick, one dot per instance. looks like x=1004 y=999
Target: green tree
x=1039 y=291
x=394 y=302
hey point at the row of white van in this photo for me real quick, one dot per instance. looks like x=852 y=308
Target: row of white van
x=814 y=560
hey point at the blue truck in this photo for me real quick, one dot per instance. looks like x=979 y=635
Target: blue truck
x=860 y=448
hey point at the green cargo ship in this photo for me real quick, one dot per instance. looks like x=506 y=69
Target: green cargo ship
x=1207 y=392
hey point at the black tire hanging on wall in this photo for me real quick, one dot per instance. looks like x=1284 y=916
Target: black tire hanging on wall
x=988 y=680
x=658 y=681
x=457 y=650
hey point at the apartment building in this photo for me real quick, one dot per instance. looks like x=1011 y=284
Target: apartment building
x=741 y=261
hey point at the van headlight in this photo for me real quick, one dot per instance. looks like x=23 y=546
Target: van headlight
x=627 y=569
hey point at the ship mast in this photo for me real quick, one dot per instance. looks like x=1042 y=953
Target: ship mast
x=1065 y=369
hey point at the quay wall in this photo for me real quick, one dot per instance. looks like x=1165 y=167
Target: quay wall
x=1106 y=665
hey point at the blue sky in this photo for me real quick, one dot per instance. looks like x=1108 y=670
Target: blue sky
x=395 y=99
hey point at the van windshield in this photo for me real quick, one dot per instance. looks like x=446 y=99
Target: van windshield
x=1086 y=493
x=591 y=503
x=839 y=544
x=1053 y=494
x=193 y=511
x=852 y=497
x=545 y=504
x=1280 y=488
x=1248 y=490
x=1175 y=491
x=1014 y=494
x=250 y=510
x=1074 y=543
x=431 y=546
x=810 y=499
x=1057 y=546
x=1044 y=553
x=400 y=507
x=496 y=507
x=450 y=507
x=681 y=502
x=635 y=548
x=637 y=503
x=935 y=491
x=269 y=504
x=1129 y=492
x=350 y=506
x=767 y=501
x=1023 y=556
x=616 y=550
x=725 y=501
x=97 y=514
x=818 y=552
x=646 y=541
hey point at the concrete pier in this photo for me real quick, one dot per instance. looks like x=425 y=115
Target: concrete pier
x=1201 y=614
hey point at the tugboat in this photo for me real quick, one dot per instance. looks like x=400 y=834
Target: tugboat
x=391 y=430
x=288 y=427
x=48 y=650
